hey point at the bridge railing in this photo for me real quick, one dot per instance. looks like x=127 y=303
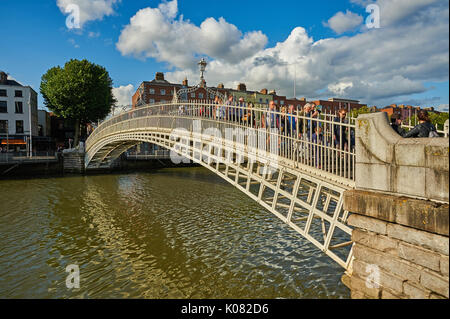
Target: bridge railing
x=320 y=141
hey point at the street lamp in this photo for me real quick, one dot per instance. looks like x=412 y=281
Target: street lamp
x=202 y=65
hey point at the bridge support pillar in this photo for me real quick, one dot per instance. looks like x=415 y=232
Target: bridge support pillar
x=401 y=246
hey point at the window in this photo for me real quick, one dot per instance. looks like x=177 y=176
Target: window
x=211 y=96
x=3 y=93
x=152 y=91
x=276 y=101
x=19 y=107
x=200 y=95
x=267 y=101
x=152 y=100
x=193 y=95
x=3 y=107
x=18 y=93
x=260 y=100
x=282 y=102
x=3 y=126
x=19 y=127
x=163 y=92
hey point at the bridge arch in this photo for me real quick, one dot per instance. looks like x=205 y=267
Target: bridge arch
x=307 y=198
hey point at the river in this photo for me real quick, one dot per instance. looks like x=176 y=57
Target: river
x=170 y=233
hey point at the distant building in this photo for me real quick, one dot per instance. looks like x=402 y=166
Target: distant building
x=44 y=123
x=160 y=90
x=18 y=114
x=62 y=131
x=401 y=111
x=333 y=105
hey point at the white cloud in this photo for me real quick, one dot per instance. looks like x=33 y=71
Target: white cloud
x=9 y=77
x=74 y=43
x=89 y=10
x=394 y=12
x=442 y=108
x=377 y=66
x=123 y=94
x=343 y=22
x=156 y=33
x=93 y=34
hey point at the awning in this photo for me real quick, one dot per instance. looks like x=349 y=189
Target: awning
x=13 y=142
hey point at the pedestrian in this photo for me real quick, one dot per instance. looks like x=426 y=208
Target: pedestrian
x=396 y=124
x=340 y=131
x=424 y=128
x=229 y=108
x=317 y=141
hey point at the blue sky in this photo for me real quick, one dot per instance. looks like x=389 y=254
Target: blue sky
x=333 y=62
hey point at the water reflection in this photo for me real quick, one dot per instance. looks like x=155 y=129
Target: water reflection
x=175 y=233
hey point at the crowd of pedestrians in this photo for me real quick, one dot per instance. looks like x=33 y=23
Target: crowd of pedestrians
x=302 y=134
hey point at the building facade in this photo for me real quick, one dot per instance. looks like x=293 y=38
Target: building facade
x=18 y=115
x=160 y=90
x=44 y=123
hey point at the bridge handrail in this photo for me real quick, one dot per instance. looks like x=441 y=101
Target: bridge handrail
x=293 y=131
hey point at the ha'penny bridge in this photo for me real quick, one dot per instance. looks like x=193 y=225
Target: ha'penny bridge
x=376 y=203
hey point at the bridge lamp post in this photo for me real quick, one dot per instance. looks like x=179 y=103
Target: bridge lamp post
x=202 y=65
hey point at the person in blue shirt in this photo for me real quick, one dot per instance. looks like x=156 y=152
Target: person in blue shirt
x=340 y=134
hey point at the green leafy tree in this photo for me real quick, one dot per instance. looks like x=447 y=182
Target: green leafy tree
x=362 y=110
x=81 y=91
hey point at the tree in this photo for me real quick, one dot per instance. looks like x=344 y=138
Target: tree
x=81 y=91
x=362 y=110
x=438 y=119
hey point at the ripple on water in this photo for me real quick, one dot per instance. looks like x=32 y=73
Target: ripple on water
x=175 y=233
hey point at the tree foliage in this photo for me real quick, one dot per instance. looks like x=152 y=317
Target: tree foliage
x=438 y=119
x=80 y=90
x=362 y=110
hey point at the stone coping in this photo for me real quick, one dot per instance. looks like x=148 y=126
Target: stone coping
x=419 y=214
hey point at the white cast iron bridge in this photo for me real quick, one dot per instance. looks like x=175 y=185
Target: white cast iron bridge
x=273 y=157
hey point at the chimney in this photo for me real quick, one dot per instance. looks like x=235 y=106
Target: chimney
x=159 y=76
x=264 y=91
x=242 y=87
x=220 y=86
x=273 y=92
x=3 y=77
x=185 y=82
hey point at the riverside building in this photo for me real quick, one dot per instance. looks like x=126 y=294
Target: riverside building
x=18 y=116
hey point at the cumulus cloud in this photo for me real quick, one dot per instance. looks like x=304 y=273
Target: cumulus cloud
x=157 y=33
x=442 y=108
x=89 y=10
x=377 y=66
x=123 y=94
x=343 y=22
x=394 y=12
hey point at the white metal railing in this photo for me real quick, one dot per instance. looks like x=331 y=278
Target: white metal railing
x=320 y=141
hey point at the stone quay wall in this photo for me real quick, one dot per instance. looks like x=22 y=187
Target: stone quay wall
x=401 y=247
